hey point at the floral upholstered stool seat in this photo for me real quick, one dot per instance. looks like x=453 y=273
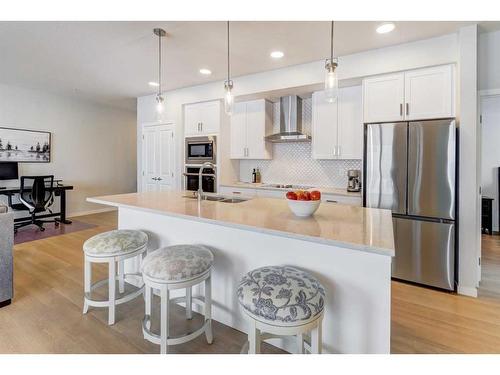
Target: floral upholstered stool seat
x=113 y=247
x=177 y=267
x=282 y=301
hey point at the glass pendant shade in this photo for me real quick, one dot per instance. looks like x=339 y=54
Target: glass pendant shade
x=228 y=97
x=160 y=107
x=331 y=82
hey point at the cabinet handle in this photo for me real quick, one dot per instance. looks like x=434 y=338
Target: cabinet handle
x=236 y=192
x=401 y=109
x=331 y=201
x=407 y=109
x=334 y=150
x=339 y=150
x=201 y=126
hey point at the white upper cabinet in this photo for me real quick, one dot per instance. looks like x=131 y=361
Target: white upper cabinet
x=383 y=98
x=250 y=123
x=202 y=118
x=413 y=95
x=337 y=128
x=429 y=93
x=350 y=123
x=324 y=127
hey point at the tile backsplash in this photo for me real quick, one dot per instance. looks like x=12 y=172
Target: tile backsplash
x=292 y=162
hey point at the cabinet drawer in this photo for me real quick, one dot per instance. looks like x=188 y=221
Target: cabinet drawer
x=341 y=199
x=237 y=191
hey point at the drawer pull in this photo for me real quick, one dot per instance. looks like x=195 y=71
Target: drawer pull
x=331 y=201
x=236 y=192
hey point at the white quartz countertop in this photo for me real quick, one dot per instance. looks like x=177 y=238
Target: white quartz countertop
x=359 y=228
x=264 y=186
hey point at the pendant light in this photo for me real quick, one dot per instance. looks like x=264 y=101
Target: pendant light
x=228 y=84
x=331 y=79
x=160 y=100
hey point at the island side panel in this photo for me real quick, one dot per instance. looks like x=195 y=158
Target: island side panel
x=357 y=283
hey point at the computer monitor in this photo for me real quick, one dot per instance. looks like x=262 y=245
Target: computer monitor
x=8 y=171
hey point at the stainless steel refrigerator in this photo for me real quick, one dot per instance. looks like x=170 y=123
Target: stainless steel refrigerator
x=410 y=168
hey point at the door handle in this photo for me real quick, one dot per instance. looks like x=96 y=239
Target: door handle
x=407 y=109
x=154 y=178
x=401 y=109
x=159 y=179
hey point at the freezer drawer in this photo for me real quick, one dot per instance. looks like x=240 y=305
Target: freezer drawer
x=431 y=169
x=386 y=146
x=425 y=252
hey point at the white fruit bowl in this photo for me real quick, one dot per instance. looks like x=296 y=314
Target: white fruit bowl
x=303 y=208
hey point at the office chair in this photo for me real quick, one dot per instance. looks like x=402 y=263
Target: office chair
x=36 y=195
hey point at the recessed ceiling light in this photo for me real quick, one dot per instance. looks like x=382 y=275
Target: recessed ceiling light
x=153 y=84
x=205 y=71
x=277 y=54
x=385 y=28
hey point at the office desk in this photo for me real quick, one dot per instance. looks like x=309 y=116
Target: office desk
x=59 y=191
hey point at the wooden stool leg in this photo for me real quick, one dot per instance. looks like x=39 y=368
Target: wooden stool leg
x=164 y=294
x=316 y=339
x=112 y=291
x=87 y=282
x=189 y=303
x=147 y=305
x=121 y=276
x=208 y=310
x=254 y=339
x=300 y=343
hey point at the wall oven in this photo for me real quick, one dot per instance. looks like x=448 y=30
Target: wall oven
x=201 y=149
x=208 y=183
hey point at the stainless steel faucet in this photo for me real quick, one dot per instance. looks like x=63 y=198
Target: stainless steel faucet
x=206 y=164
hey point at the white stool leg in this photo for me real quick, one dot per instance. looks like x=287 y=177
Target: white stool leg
x=300 y=343
x=87 y=282
x=147 y=305
x=316 y=339
x=254 y=339
x=121 y=276
x=189 y=303
x=208 y=310
x=164 y=294
x=112 y=291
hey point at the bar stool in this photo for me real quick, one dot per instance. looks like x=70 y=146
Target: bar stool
x=177 y=267
x=282 y=301
x=112 y=247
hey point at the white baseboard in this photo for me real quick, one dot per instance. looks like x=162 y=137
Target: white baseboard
x=467 y=291
x=90 y=212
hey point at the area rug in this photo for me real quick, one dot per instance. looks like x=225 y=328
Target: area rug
x=32 y=233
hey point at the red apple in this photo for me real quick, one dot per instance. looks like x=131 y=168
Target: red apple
x=291 y=195
x=315 y=195
x=307 y=195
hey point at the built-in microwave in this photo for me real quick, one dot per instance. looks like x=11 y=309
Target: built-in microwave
x=201 y=149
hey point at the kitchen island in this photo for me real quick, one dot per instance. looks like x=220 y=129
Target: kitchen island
x=349 y=249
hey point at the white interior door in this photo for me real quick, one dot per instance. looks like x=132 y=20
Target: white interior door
x=165 y=152
x=149 y=159
x=158 y=149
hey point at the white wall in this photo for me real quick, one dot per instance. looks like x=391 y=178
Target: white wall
x=489 y=60
x=93 y=146
x=490 y=160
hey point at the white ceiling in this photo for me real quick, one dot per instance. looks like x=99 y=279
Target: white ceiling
x=112 y=62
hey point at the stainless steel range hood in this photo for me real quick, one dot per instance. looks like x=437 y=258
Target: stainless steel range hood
x=290 y=121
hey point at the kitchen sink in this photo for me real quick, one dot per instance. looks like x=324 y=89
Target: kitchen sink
x=217 y=198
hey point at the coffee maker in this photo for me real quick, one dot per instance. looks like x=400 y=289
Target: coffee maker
x=354 y=180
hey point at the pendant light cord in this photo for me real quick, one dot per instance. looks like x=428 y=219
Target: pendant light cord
x=228 y=56
x=331 y=41
x=159 y=63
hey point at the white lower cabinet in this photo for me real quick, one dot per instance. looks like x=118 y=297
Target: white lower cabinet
x=264 y=193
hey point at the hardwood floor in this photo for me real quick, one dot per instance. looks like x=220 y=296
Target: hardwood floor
x=46 y=316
